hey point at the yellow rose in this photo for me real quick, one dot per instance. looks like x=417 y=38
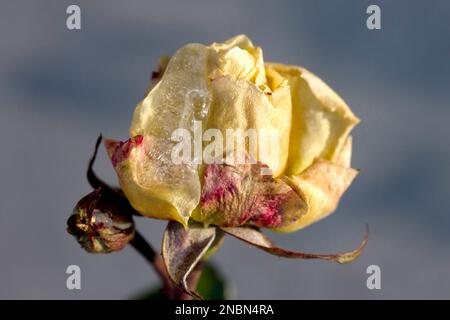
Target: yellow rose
x=227 y=86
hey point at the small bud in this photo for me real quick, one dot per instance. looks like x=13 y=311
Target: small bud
x=99 y=226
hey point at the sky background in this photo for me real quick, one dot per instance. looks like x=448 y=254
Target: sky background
x=59 y=89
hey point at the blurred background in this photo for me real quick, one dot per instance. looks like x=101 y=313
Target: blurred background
x=59 y=89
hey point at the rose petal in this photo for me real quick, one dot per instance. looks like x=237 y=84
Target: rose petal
x=168 y=106
x=321 y=186
x=154 y=185
x=321 y=120
x=344 y=156
x=242 y=194
x=241 y=105
x=238 y=58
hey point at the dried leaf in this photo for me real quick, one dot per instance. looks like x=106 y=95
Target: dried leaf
x=183 y=248
x=254 y=237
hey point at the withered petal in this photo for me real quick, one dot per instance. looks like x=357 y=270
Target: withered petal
x=244 y=194
x=321 y=186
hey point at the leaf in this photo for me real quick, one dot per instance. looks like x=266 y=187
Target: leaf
x=254 y=237
x=183 y=248
x=212 y=285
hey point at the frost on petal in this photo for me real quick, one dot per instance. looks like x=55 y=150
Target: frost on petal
x=172 y=103
x=154 y=185
x=235 y=195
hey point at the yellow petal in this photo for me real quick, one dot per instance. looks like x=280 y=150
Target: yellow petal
x=160 y=188
x=344 y=156
x=239 y=104
x=172 y=103
x=321 y=120
x=237 y=58
x=321 y=186
x=184 y=94
x=154 y=186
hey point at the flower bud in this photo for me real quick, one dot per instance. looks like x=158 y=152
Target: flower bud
x=98 y=226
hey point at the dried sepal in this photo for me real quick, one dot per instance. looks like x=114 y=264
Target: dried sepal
x=182 y=249
x=254 y=237
x=216 y=245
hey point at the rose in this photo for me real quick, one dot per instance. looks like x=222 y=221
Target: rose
x=311 y=171
x=295 y=178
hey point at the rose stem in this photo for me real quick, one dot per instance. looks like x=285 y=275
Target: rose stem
x=146 y=250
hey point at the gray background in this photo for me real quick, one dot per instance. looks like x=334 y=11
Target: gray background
x=60 y=88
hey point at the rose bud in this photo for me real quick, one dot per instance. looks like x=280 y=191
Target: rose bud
x=98 y=226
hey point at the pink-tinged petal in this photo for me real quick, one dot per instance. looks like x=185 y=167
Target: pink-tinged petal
x=242 y=195
x=119 y=151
